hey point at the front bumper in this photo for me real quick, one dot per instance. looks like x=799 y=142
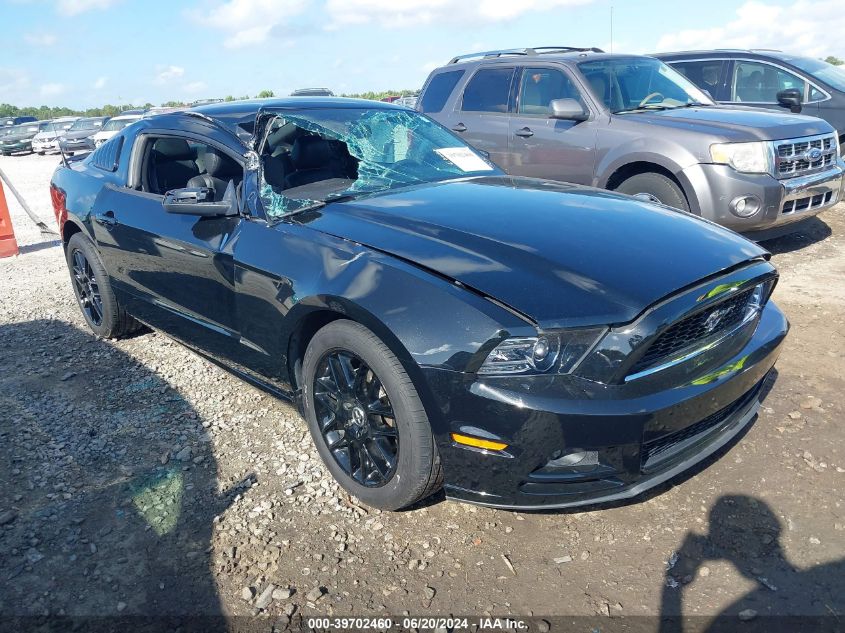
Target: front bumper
x=45 y=146
x=782 y=202
x=640 y=434
x=81 y=145
x=17 y=146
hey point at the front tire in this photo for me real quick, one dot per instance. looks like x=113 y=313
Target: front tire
x=366 y=418
x=94 y=294
x=655 y=187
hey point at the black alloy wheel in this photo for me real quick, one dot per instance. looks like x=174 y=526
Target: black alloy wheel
x=361 y=407
x=356 y=418
x=87 y=288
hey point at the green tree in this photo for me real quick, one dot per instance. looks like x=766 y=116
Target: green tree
x=264 y=94
x=830 y=59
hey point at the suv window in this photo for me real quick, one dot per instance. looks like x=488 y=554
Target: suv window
x=488 y=90
x=756 y=82
x=438 y=90
x=704 y=73
x=540 y=86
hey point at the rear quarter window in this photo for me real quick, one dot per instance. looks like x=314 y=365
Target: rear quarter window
x=107 y=156
x=438 y=90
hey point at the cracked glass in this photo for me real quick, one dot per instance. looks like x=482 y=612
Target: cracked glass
x=312 y=157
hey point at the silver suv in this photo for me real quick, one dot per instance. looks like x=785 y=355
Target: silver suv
x=632 y=124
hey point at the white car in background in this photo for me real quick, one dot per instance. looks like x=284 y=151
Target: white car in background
x=48 y=140
x=113 y=126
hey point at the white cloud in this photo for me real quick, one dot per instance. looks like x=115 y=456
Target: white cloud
x=194 y=86
x=248 y=22
x=410 y=13
x=74 y=7
x=51 y=90
x=100 y=83
x=12 y=81
x=169 y=73
x=806 y=27
x=40 y=39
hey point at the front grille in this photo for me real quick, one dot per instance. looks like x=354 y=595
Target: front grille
x=795 y=157
x=694 y=329
x=664 y=448
x=807 y=202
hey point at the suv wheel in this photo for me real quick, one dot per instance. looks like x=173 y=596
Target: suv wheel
x=655 y=188
x=366 y=418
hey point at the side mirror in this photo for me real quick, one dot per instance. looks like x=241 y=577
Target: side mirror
x=790 y=98
x=200 y=201
x=568 y=110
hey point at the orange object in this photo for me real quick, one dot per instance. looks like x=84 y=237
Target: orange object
x=8 y=243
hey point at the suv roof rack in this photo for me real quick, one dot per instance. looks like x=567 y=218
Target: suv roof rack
x=536 y=50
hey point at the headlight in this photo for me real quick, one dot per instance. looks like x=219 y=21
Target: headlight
x=752 y=158
x=558 y=352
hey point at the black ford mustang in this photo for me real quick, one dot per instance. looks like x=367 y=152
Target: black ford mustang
x=525 y=343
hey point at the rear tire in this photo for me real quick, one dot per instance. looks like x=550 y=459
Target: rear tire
x=340 y=412
x=94 y=294
x=657 y=186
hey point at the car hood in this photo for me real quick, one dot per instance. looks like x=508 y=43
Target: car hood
x=735 y=123
x=18 y=136
x=560 y=254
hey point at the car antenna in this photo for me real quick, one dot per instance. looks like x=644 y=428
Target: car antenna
x=61 y=151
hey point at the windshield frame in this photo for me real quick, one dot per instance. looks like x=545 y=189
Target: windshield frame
x=697 y=97
x=262 y=131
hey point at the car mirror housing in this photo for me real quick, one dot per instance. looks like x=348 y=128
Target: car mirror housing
x=568 y=110
x=790 y=98
x=199 y=201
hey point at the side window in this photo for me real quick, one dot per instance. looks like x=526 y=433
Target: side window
x=755 y=82
x=176 y=163
x=438 y=90
x=488 y=90
x=540 y=86
x=704 y=73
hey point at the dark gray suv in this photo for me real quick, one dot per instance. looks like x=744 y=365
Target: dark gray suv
x=632 y=124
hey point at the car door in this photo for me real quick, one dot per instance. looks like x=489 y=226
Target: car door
x=542 y=147
x=480 y=115
x=173 y=271
x=756 y=83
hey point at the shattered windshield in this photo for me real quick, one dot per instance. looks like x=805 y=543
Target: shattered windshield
x=311 y=157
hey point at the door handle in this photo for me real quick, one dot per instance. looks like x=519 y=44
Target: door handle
x=107 y=219
x=524 y=132
x=460 y=127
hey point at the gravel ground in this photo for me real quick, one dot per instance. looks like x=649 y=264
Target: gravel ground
x=136 y=478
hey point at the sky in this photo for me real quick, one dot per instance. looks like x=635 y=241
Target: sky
x=85 y=53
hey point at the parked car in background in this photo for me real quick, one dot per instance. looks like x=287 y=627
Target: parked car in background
x=768 y=79
x=312 y=92
x=163 y=110
x=200 y=102
x=47 y=140
x=408 y=102
x=19 y=138
x=112 y=127
x=79 y=136
x=15 y=120
x=390 y=99
x=632 y=124
x=605 y=344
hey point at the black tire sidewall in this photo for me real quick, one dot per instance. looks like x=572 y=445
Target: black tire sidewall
x=416 y=443
x=110 y=323
x=658 y=185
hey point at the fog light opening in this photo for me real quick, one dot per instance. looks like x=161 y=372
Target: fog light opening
x=745 y=206
x=574 y=457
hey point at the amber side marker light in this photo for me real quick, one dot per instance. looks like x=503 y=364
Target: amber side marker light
x=477 y=442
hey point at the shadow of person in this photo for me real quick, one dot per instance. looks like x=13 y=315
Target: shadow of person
x=746 y=532
x=108 y=487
